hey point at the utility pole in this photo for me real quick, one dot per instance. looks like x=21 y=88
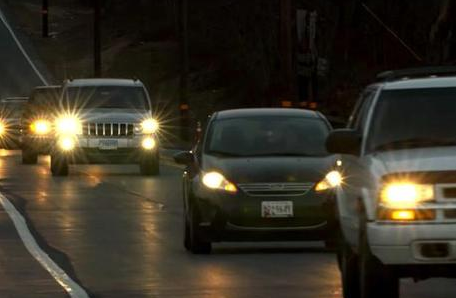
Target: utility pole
x=184 y=108
x=286 y=50
x=97 y=39
x=45 y=18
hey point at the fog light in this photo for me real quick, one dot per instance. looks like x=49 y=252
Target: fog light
x=67 y=144
x=148 y=143
x=402 y=215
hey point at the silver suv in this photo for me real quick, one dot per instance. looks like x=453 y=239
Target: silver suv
x=397 y=204
x=105 y=121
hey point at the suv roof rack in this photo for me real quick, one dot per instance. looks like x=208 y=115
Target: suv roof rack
x=422 y=72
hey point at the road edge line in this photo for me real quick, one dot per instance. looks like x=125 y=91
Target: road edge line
x=59 y=275
x=21 y=48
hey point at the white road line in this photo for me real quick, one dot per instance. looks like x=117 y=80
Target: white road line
x=21 y=48
x=71 y=287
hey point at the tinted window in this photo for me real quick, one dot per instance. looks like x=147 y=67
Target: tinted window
x=12 y=109
x=266 y=136
x=414 y=118
x=108 y=97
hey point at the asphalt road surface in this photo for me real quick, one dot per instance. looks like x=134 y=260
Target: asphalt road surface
x=119 y=234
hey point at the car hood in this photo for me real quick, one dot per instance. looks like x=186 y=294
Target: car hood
x=414 y=160
x=270 y=169
x=114 y=115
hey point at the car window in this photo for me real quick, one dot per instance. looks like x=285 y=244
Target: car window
x=115 y=97
x=358 y=119
x=263 y=136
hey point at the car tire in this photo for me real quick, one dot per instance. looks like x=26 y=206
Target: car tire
x=192 y=238
x=29 y=157
x=150 y=166
x=349 y=269
x=376 y=280
x=59 y=166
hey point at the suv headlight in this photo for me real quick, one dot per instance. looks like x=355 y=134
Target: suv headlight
x=148 y=126
x=332 y=180
x=40 y=127
x=68 y=125
x=405 y=194
x=215 y=180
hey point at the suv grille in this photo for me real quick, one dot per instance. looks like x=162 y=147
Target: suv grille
x=276 y=189
x=108 y=129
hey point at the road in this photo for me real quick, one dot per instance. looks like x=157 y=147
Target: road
x=118 y=234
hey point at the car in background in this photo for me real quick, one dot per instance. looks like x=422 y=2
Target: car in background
x=37 y=122
x=259 y=175
x=105 y=121
x=11 y=110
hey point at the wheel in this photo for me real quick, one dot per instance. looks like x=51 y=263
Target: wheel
x=29 y=157
x=348 y=263
x=59 y=165
x=192 y=238
x=150 y=166
x=376 y=280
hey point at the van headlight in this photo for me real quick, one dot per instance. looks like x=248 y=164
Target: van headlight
x=148 y=126
x=40 y=127
x=215 y=180
x=68 y=125
x=332 y=180
x=2 y=129
x=405 y=194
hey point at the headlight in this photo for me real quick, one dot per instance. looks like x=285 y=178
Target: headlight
x=405 y=194
x=2 y=129
x=149 y=126
x=67 y=143
x=41 y=127
x=215 y=180
x=148 y=143
x=332 y=180
x=68 y=125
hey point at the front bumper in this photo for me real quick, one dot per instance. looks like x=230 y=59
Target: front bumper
x=408 y=244
x=227 y=217
x=37 y=144
x=89 y=151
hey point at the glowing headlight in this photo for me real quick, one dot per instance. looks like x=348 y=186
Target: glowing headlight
x=41 y=127
x=148 y=143
x=68 y=125
x=405 y=195
x=215 y=180
x=2 y=129
x=332 y=180
x=67 y=143
x=149 y=126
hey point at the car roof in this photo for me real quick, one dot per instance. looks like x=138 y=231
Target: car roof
x=421 y=83
x=103 y=82
x=254 y=112
x=48 y=87
x=14 y=99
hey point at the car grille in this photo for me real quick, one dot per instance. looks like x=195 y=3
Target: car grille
x=108 y=129
x=276 y=189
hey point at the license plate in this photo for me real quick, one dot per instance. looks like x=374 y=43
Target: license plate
x=108 y=144
x=277 y=209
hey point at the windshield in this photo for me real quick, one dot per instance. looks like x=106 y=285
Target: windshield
x=414 y=118
x=113 y=97
x=268 y=136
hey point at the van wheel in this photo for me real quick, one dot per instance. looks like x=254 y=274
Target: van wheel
x=150 y=166
x=59 y=166
x=29 y=157
x=348 y=263
x=376 y=280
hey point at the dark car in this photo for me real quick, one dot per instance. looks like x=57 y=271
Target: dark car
x=259 y=175
x=11 y=110
x=37 y=122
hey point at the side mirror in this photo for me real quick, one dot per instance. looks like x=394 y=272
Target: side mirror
x=344 y=141
x=184 y=158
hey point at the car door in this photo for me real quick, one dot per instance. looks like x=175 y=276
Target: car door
x=355 y=170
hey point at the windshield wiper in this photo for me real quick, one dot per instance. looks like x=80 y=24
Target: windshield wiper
x=415 y=143
x=223 y=153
